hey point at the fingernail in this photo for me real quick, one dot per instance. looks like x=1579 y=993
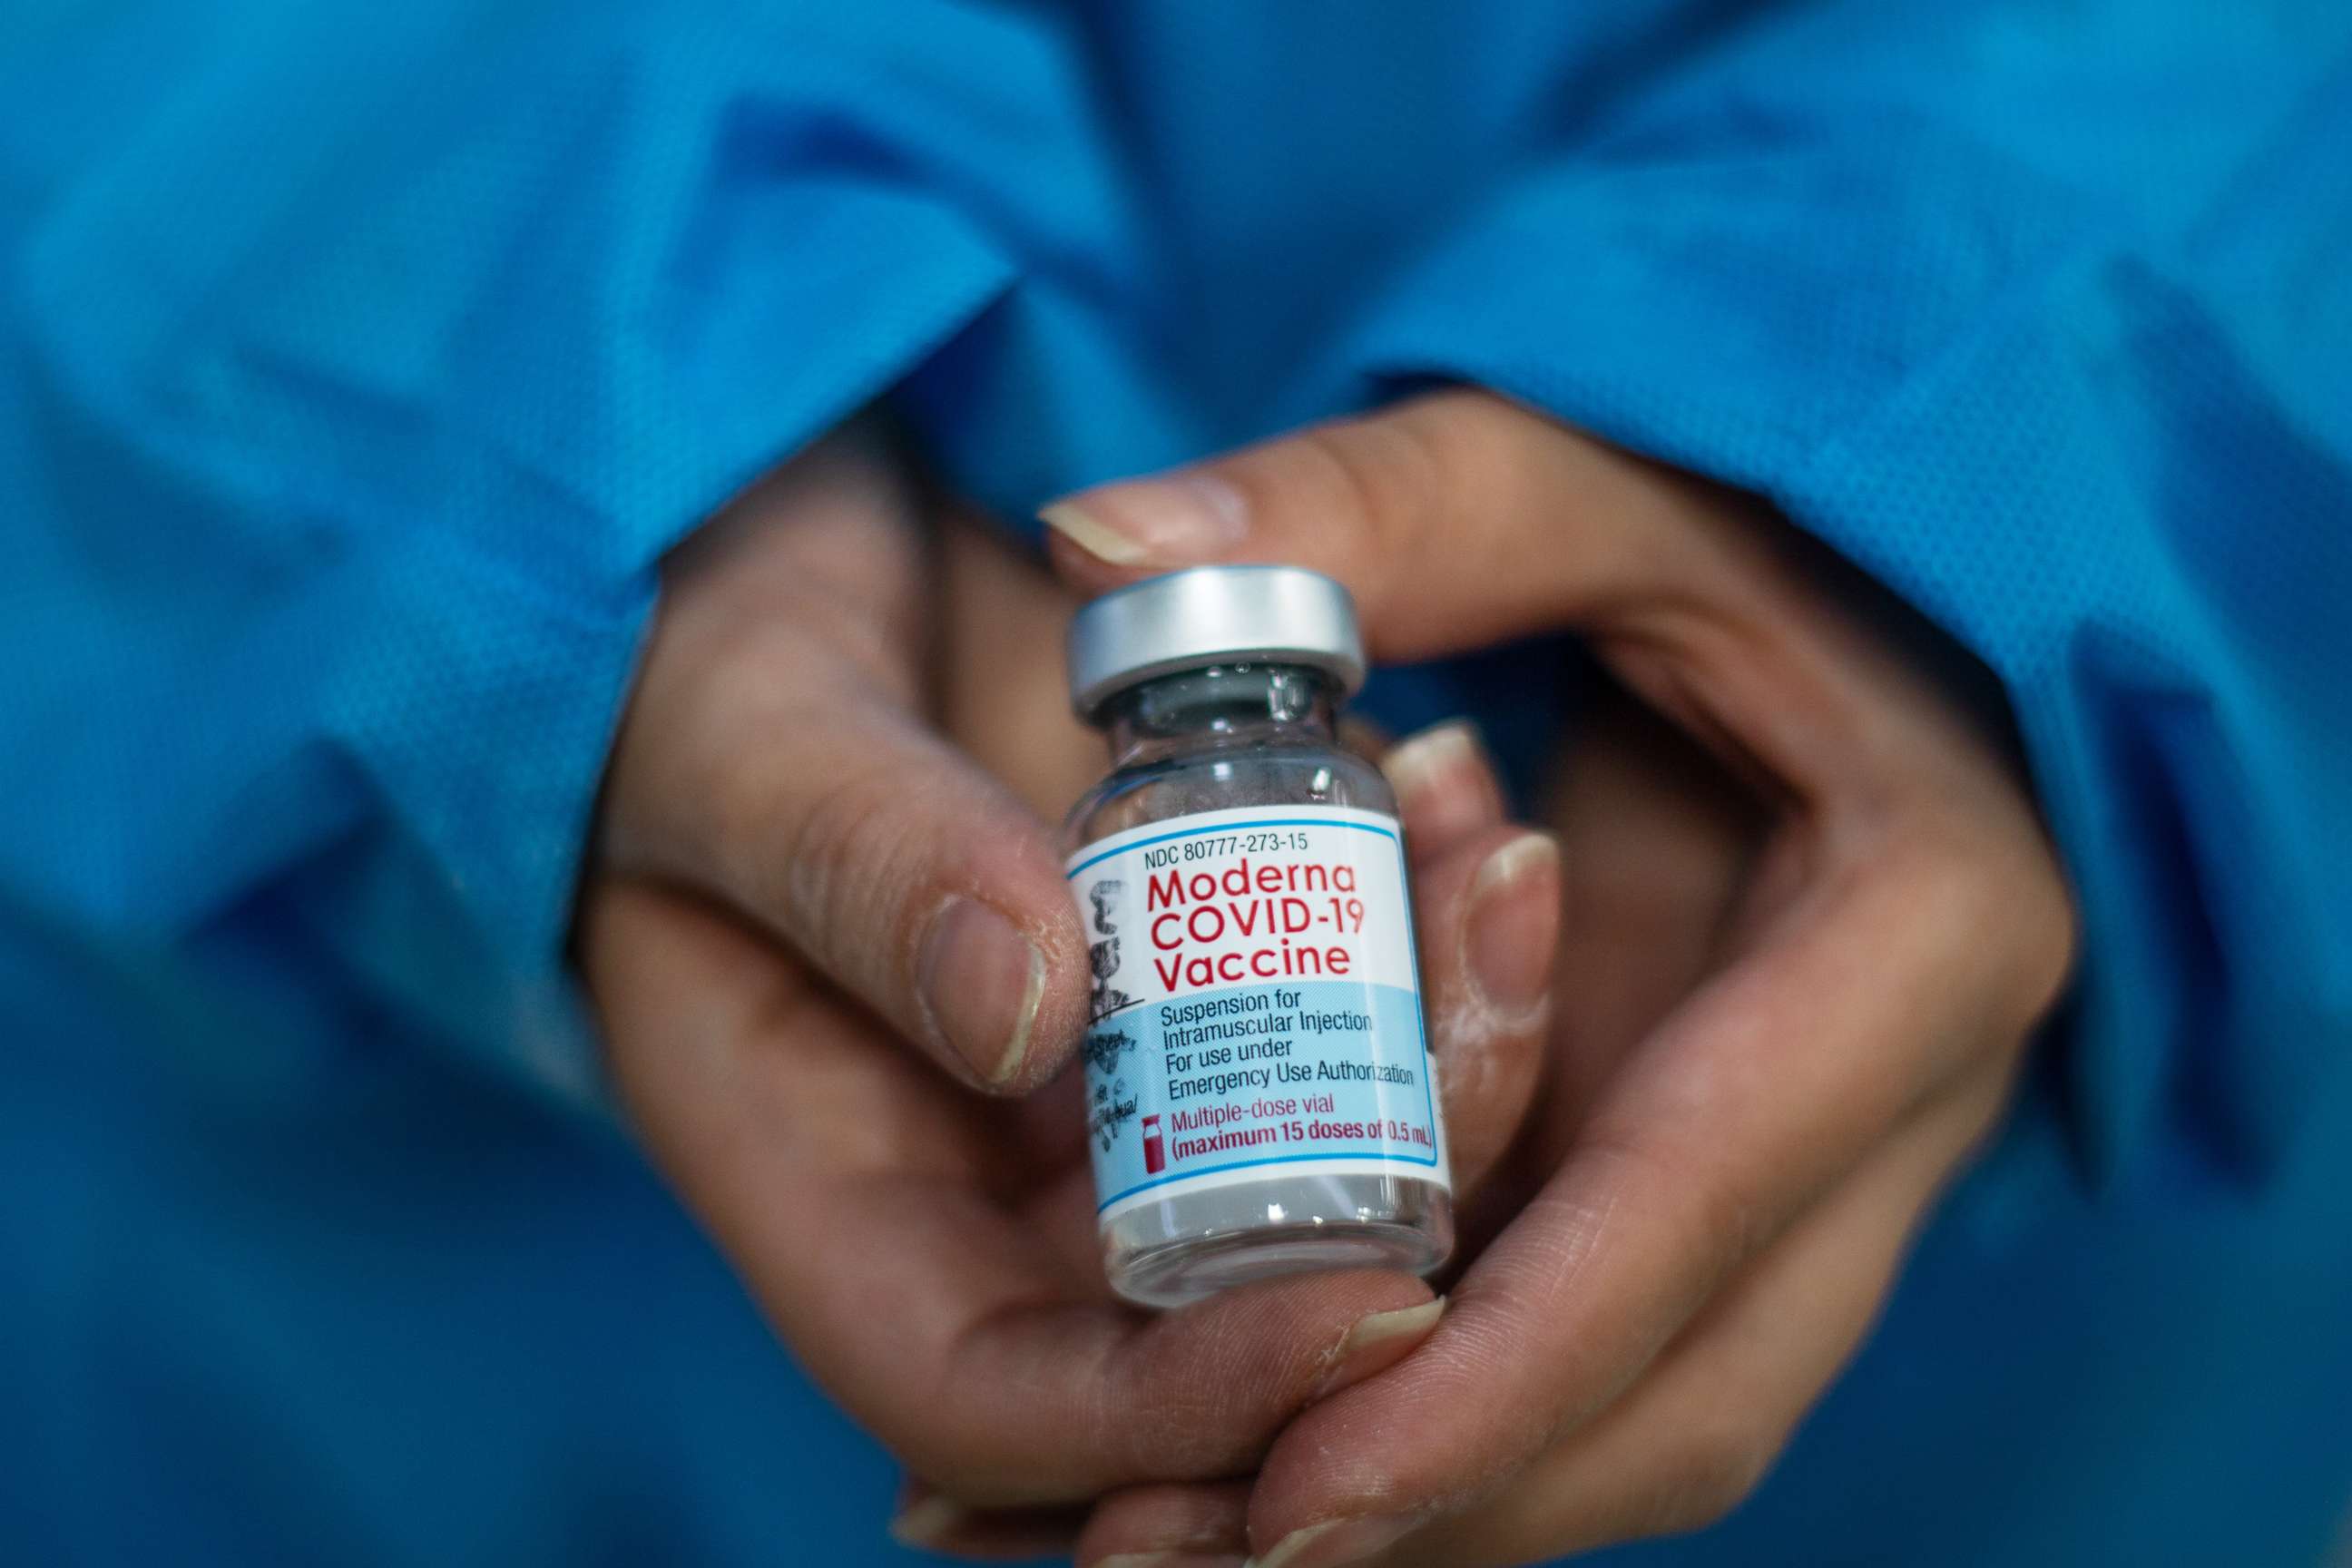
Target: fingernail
x=1513 y=924
x=1374 y=1343
x=981 y=982
x=1334 y=1543
x=1167 y=519
x=1177 y=1558
x=926 y=1522
x=1438 y=776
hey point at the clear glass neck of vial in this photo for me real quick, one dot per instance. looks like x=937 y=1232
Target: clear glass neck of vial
x=1220 y=705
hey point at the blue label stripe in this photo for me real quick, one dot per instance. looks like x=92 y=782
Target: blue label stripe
x=1382 y=1156
x=1071 y=875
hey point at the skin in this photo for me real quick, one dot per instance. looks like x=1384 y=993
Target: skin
x=881 y=1138
x=1813 y=922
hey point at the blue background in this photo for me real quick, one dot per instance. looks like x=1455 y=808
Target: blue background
x=358 y=361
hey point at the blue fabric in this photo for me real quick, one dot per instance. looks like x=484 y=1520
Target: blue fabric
x=357 y=363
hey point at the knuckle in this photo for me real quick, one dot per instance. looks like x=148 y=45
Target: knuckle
x=1993 y=890
x=1722 y=1225
x=954 y=1433
x=2051 y=927
x=1356 y=466
x=1389 y=474
x=841 y=854
x=1708 y=1223
x=1717 y=1468
x=1957 y=895
x=963 y=1464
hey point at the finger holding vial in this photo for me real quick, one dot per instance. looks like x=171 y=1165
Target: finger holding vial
x=1264 y=1084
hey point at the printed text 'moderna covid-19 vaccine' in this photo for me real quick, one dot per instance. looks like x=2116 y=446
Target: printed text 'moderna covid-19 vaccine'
x=1259 y=1095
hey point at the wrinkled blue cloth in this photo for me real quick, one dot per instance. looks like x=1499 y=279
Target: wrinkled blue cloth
x=358 y=361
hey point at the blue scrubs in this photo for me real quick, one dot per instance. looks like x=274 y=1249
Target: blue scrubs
x=358 y=361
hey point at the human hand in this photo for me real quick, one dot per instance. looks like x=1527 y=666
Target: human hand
x=1789 y=1011
x=839 y=977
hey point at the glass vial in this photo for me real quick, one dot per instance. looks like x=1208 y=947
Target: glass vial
x=1259 y=1095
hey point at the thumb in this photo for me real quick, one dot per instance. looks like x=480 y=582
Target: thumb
x=914 y=881
x=1459 y=520
x=1456 y=519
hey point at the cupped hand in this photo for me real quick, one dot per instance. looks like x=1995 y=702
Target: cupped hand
x=1813 y=922
x=839 y=978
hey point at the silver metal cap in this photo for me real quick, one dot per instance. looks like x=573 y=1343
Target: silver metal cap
x=1212 y=614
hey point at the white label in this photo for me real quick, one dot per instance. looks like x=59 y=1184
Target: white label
x=1256 y=1004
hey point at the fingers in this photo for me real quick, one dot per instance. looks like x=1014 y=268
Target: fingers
x=1458 y=520
x=771 y=757
x=1778 y=1075
x=931 y=1520
x=851 y=1192
x=1199 y=1526
x=1903 y=925
x=1445 y=786
x=1693 y=1440
x=1679 y=1451
x=1487 y=911
x=1426 y=510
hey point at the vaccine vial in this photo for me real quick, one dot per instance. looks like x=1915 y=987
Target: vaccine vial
x=1259 y=1093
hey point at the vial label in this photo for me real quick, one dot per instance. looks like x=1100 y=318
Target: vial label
x=1256 y=1004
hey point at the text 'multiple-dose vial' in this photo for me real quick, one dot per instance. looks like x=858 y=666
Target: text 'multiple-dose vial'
x=1259 y=1092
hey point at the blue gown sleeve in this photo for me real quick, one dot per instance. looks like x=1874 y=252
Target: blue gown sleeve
x=359 y=362
x=2047 y=323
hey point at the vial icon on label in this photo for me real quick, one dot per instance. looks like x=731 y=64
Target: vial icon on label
x=1261 y=1099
